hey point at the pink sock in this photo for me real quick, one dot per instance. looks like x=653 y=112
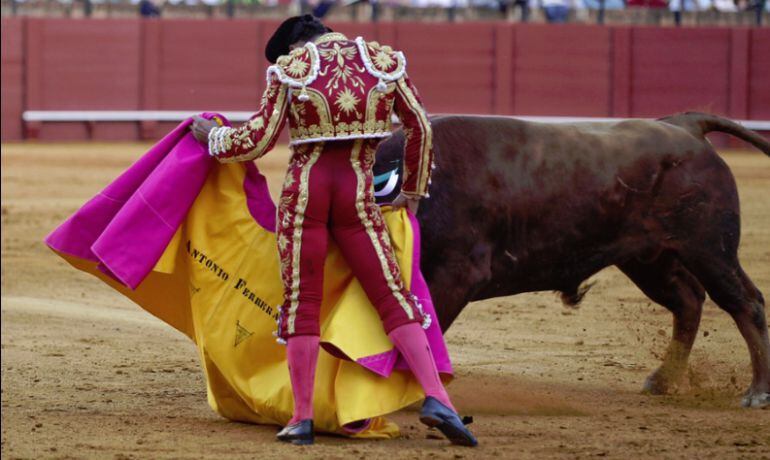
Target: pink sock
x=410 y=340
x=302 y=355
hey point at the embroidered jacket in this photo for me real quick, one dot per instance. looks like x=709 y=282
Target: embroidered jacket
x=334 y=89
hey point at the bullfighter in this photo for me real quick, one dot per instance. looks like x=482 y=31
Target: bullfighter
x=338 y=96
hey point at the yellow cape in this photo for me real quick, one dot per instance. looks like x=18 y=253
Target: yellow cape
x=218 y=283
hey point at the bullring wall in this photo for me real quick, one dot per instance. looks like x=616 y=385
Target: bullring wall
x=483 y=68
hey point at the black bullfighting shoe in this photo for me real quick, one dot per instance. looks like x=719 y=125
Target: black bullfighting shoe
x=435 y=414
x=300 y=433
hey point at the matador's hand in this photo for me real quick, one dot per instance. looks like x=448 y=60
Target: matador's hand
x=401 y=201
x=201 y=127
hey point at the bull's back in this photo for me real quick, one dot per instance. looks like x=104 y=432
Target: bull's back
x=516 y=157
x=536 y=193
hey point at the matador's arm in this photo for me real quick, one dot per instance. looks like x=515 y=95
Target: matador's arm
x=418 y=152
x=258 y=135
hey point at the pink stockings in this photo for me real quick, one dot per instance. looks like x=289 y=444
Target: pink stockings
x=302 y=355
x=409 y=339
x=411 y=342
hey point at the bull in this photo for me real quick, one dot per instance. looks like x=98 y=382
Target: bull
x=517 y=207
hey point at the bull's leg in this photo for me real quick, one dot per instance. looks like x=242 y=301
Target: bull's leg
x=456 y=279
x=729 y=286
x=669 y=284
x=449 y=300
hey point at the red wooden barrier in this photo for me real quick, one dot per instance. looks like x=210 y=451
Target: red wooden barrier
x=759 y=75
x=212 y=64
x=562 y=70
x=620 y=73
x=83 y=64
x=452 y=66
x=11 y=78
x=194 y=64
x=676 y=69
x=577 y=70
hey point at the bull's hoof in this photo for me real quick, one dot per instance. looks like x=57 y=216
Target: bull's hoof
x=756 y=400
x=655 y=384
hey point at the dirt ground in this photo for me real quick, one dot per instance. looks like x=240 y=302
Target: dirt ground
x=87 y=374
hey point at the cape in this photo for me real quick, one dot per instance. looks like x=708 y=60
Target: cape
x=192 y=241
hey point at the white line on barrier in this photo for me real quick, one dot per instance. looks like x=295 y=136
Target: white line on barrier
x=178 y=115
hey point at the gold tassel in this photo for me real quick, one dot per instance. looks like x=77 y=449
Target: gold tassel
x=303 y=96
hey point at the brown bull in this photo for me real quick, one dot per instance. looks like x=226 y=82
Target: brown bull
x=519 y=207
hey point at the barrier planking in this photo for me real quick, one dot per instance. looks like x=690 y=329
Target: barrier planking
x=54 y=65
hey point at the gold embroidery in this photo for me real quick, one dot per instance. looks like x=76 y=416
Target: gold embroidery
x=393 y=284
x=342 y=67
x=288 y=182
x=244 y=140
x=373 y=101
x=347 y=102
x=282 y=242
x=301 y=150
x=329 y=130
x=331 y=36
x=383 y=59
x=309 y=132
x=298 y=113
x=226 y=142
x=299 y=217
x=341 y=72
x=298 y=65
x=371 y=153
x=426 y=138
x=340 y=53
x=272 y=87
x=297 y=68
x=321 y=106
x=271 y=130
x=257 y=123
x=283 y=205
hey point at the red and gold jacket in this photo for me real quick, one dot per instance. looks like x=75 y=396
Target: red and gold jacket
x=334 y=89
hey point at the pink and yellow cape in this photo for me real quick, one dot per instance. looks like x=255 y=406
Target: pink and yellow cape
x=192 y=241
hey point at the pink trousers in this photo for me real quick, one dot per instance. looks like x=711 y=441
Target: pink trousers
x=328 y=193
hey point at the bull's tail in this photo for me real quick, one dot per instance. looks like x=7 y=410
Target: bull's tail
x=703 y=123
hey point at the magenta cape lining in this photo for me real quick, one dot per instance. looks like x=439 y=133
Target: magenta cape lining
x=127 y=226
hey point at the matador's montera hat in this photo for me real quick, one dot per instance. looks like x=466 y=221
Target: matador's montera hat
x=291 y=31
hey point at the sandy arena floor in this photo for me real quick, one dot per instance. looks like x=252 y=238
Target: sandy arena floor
x=87 y=374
